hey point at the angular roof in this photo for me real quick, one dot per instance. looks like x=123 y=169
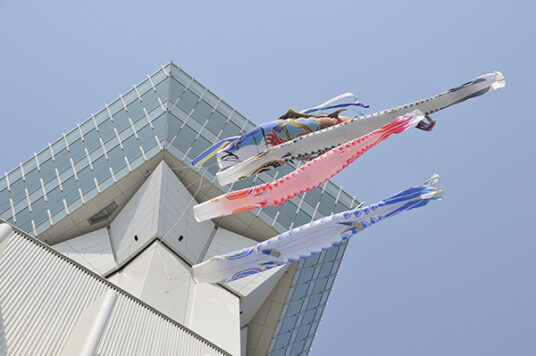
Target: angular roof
x=79 y=183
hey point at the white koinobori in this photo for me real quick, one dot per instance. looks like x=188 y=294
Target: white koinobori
x=311 y=145
x=311 y=238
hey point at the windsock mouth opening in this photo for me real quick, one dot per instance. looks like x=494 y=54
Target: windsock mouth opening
x=500 y=82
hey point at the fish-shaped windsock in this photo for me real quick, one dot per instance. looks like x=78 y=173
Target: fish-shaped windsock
x=305 y=178
x=311 y=238
x=311 y=145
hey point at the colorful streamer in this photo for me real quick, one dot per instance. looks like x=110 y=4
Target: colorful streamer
x=307 y=177
x=312 y=238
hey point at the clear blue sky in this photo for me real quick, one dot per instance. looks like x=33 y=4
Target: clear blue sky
x=454 y=278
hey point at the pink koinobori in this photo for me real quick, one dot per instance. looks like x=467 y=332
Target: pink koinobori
x=307 y=177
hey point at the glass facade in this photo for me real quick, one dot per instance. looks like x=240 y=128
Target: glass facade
x=170 y=111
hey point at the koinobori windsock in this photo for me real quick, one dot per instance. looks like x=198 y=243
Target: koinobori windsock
x=308 y=146
x=305 y=178
x=311 y=238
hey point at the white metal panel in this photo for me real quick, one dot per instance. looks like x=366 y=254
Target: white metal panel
x=136 y=224
x=160 y=279
x=44 y=294
x=92 y=250
x=176 y=218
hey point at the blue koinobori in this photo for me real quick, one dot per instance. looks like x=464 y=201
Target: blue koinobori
x=312 y=238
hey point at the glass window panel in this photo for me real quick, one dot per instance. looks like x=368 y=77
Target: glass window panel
x=308 y=317
x=294 y=307
x=85 y=179
x=102 y=116
x=303 y=332
x=306 y=274
x=77 y=150
x=211 y=99
x=345 y=199
x=182 y=77
x=188 y=101
x=47 y=170
x=196 y=88
x=313 y=196
x=58 y=145
x=238 y=119
x=24 y=220
x=199 y=145
x=282 y=340
x=159 y=76
x=44 y=155
x=286 y=213
x=17 y=191
x=4 y=200
x=92 y=140
x=147 y=139
x=173 y=126
x=224 y=109
x=159 y=125
x=102 y=171
x=116 y=158
x=314 y=301
x=143 y=87
x=87 y=126
x=331 y=254
x=325 y=270
x=15 y=175
x=62 y=160
x=300 y=291
x=298 y=348
x=29 y=165
x=135 y=110
x=185 y=138
x=311 y=261
x=39 y=210
x=150 y=100
x=115 y=106
x=175 y=90
x=106 y=130
x=202 y=112
x=72 y=136
x=32 y=180
x=270 y=210
x=163 y=90
x=130 y=96
x=301 y=218
x=288 y=324
x=70 y=190
x=132 y=148
x=326 y=204
x=230 y=129
x=121 y=121
x=320 y=285
x=55 y=200
x=339 y=208
x=216 y=122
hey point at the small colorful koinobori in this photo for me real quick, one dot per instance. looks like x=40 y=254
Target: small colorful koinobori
x=311 y=238
x=308 y=146
x=305 y=178
x=292 y=124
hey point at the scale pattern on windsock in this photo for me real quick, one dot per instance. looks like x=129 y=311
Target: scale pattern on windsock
x=312 y=238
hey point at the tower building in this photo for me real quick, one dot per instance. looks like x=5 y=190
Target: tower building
x=98 y=237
